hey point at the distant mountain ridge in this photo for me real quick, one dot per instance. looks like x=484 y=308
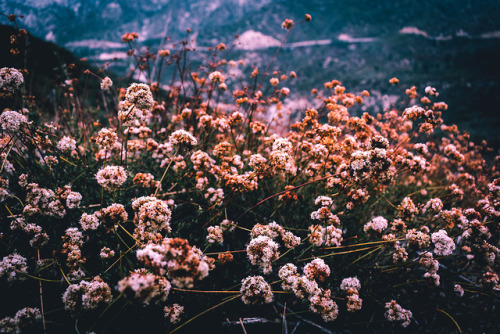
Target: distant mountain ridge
x=67 y=21
x=453 y=45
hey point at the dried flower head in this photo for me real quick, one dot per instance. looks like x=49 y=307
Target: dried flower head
x=111 y=177
x=10 y=80
x=106 y=83
x=287 y=24
x=255 y=290
x=12 y=121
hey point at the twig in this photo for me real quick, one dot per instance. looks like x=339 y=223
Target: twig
x=243 y=326
x=321 y=328
x=165 y=173
x=206 y=311
x=121 y=256
x=64 y=275
x=449 y=316
x=41 y=299
x=340 y=253
x=250 y=321
x=296 y=326
x=285 y=324
x=205 y=291
x=280 y=193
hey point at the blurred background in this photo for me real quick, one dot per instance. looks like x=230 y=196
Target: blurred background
x=452 y=45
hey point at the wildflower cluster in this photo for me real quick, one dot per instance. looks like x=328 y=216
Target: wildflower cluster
x=195 y=189
x=10 y=80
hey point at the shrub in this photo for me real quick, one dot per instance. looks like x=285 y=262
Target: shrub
x=210 y=187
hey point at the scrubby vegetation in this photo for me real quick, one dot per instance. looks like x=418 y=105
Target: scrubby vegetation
x=206 y=204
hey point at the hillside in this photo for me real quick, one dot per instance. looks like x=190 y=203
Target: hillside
x=451 y=45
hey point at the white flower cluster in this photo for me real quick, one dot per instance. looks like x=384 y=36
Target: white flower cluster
x=333 y=236
x=351 y=286
x=173 y=313
x=418 y=239
x=360 y=160
x=328 y=236
x=4 y=184
x=216 y=77
x=10 y=80
x=394 y=312
x=323 y=201
x=324 y=305
x=71 y=247
x=42 y=201
x=452 y=152
x=137 y=104
x=86 y=295
x=432 y=267
x=431 y=91
x=23 y=321
x=257 y=162
x=111 y=177
x=89 y=222
x=71 y=198
x=241 y=183
x=458 y=290
x=152 y=216
x=215 y=235
x=273 y=230
x=182 y=263
x=413 y=112
x=12 y=120
x=201 y=182
x=303 y=287
x=490 y=280
x=350 y=283
x=281 y=158
x=324 y=213
x=288 y=274
x=443 y=244
x=111 y=216
x=306 y=287
x=140 y=95
x=290 y=240
x=106 y=138
x=227 y=225
x=106 y=83
x=407 y=208
x=400 y=254
x=201 y=160
x=317 y=270
x=316 y=235
x=421 y=148
x=13 y=266
x=106 y=253
x=38 y=237
x=282 y=144
x=255 y=290
x=153 y=257
x=66 y=144
x=182 y=138
x=144 y=287
x=376 y=225
x=262 y=251
x=434 y=205
x=215 y=196
x=319 y=151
